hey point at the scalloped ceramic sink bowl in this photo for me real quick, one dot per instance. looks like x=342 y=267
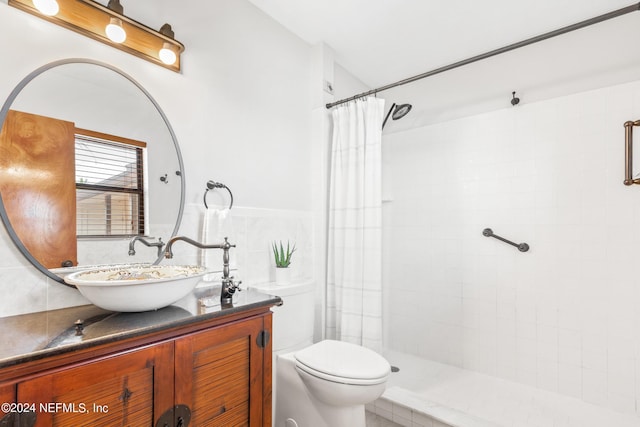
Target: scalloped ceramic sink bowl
x=136 y=288
x=65 y=271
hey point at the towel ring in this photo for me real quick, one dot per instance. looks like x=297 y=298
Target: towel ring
x=210 y=186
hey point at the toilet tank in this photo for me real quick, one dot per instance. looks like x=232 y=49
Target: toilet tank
x=293 y=320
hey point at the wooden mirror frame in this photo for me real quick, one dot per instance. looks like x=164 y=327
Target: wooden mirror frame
x=3 y=114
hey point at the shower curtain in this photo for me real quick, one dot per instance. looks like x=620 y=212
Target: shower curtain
x=354 y=256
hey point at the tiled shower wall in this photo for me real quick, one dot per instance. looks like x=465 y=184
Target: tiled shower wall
x=563 y=316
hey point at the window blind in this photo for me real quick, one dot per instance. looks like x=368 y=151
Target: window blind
x=109 y=187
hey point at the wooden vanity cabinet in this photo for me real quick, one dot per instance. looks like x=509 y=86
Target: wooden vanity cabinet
x=130 y=389
x=222 y=374
x=7 y=395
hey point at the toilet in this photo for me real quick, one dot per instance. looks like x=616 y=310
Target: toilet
x=325 y=384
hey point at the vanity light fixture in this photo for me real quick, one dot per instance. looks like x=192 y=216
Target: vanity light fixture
x=114 y=29
x=47 y=7
x=167 y=55
x=168 y=52
x=97 y=21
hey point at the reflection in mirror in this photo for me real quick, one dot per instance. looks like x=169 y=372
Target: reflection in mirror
x=108 y=141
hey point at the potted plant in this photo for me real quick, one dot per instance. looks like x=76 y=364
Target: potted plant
x=282 y=258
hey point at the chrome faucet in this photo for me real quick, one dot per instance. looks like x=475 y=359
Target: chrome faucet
x=229 y=287
x=159 y=244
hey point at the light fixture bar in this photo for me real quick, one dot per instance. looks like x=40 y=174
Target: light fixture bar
x=90 y=18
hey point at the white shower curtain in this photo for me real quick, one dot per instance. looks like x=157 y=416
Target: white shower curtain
x=354 y=262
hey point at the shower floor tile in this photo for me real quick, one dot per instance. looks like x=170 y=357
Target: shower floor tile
x=462 y=398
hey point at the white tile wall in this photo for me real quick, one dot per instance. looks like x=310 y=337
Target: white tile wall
x=253 y=232
x=254 y=228
x=562 y=317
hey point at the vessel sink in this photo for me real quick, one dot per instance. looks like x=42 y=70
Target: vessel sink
x=65 y=271
x=136 y=288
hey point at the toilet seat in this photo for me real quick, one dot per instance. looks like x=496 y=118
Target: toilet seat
x=341 y=380
x=343 y=362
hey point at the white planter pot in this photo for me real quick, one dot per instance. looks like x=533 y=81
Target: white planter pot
x=283 y=276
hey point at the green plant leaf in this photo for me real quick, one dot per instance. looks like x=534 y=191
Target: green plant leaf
x=282 y=258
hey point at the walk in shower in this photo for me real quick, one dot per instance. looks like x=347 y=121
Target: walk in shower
x=547 y=337
x=484 y=332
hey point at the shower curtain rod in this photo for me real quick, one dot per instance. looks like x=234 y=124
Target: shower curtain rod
x=536 y=39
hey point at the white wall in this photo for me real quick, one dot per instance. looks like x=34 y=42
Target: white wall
x=346 y=84
x=563 y=316
x=240 y=110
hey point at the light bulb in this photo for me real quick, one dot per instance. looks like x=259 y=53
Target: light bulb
x=167 y=54
x=47 y=7
x=115 y=32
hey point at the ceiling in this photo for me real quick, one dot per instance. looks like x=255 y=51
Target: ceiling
x=384 y=41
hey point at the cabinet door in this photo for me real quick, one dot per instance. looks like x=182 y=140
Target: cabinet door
x=7 y=395
x=127 y=389
x=219 y=375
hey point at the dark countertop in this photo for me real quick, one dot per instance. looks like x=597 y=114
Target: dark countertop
x=34 y=336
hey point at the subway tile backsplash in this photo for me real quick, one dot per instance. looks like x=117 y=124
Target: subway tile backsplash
x=254 y=230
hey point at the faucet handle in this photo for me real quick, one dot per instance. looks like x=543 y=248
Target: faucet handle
x=229 y=287
x=235 y=286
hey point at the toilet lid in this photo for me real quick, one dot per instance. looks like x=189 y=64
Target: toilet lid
x=338 y=359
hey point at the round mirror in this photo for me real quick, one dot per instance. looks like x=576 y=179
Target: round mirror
x=88 y=161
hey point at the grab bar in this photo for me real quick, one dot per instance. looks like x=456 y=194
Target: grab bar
x=628 y=153
x=522 y=247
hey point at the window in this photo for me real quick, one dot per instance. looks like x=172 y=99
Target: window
x=109 y=185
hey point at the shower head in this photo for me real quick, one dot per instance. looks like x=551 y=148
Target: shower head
x=401 y=111
x=397 y=112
